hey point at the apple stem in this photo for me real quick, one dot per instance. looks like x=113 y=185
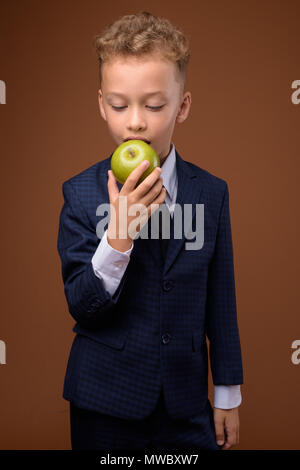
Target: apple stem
x=131 y=152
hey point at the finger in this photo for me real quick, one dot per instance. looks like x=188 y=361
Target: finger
x=153 y=206
x=145 y=186
x=228 y=443
x=230 y=437
x=144 y=216
x=158 y=201
x=237 y=435
x=153 y=193
x=112 y=186
x=134 y=177
x=219 y=427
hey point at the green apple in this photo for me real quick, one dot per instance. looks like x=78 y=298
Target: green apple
x=129 y=155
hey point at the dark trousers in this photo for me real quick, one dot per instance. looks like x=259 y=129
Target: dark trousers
x=157 y=432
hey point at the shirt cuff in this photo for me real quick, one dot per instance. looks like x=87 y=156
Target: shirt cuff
x=227 y=396
x=109 y=264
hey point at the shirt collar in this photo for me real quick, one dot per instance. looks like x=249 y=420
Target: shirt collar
x=168 y=172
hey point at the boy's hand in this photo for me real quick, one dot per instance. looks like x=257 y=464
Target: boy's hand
x=227 y=427
x=148 y=192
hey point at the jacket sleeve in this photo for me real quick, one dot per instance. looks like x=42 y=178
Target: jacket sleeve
x=88 y=301
x=221 y=316
x=110 y=264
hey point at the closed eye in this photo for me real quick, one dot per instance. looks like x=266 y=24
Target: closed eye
x=153 y=108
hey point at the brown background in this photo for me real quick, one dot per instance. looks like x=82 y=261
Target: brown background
x=243 y=127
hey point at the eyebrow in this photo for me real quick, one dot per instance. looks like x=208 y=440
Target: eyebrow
x=151 y=93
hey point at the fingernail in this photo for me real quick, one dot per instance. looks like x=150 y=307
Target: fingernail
x=145 y=162
x=220 y=443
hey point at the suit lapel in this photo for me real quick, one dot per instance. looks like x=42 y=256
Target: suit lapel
x=188 y=192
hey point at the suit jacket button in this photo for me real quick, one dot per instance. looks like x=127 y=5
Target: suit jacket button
x=167 y=285
x=166 y=338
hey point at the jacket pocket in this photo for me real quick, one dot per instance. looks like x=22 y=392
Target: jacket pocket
x=111 y=337
x=199 y=340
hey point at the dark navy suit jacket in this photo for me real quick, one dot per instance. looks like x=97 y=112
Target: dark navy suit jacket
x=152 y=332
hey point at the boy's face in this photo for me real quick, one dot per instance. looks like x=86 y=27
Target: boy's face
x=127 y=83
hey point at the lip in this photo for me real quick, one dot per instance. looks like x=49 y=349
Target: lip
x=137 y=138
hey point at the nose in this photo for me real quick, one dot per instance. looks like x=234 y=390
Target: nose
x=136 y=120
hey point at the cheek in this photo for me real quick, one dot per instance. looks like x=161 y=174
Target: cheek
x=165 y=122
x=115 y=131
x=114 y=122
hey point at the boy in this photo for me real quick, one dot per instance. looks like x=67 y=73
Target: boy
x=137 y=375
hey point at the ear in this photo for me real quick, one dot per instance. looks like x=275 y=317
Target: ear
x=100 y=102
x=184 y=109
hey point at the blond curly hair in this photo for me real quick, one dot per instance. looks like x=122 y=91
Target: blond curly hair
x=141 y=34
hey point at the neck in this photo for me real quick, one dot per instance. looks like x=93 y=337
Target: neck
x=163 y=159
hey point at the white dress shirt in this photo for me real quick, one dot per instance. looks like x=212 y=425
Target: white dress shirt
x=109 y=265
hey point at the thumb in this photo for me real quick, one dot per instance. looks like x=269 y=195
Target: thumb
x=112 y=186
